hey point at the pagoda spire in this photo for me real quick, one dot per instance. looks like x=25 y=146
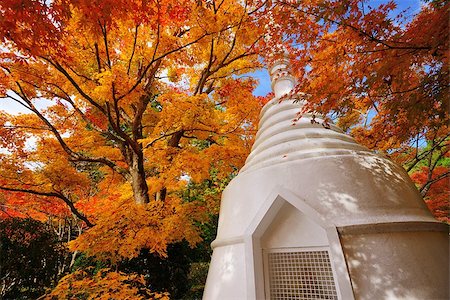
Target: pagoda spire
x=278 y=64
x=281 y=78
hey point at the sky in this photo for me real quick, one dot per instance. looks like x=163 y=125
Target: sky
x=263 y=88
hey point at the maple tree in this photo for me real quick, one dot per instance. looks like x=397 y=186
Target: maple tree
x=128 y=85
x=144 y=99
x=148 y=98
x=429 y=169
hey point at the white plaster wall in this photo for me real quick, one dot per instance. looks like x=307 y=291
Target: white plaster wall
x=398 y=265
x=345 y=189
x=227 y=278
x=291 y=229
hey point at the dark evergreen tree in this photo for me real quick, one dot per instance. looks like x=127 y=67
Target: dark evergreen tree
x=31 y=258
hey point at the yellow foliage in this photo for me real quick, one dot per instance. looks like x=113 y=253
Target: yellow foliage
x=105 y=284
x=124 y=228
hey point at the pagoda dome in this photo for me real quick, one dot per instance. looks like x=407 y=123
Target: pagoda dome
x=344 y=181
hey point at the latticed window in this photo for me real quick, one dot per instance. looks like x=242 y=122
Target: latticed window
x=299 y=274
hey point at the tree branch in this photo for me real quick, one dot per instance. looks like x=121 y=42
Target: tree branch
x=73 y=156
x=388 y=44
x=97 y=57
x=422 y=155
x=105 y=41
x=426 y=187
x=66 y=200
x=75 y=84
x=134 y=48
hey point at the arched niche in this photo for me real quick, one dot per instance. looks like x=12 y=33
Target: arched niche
x=294 y=253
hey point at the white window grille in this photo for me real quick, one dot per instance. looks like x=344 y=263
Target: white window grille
x=299 y=274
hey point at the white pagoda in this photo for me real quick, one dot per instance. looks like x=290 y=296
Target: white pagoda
x=314 y=215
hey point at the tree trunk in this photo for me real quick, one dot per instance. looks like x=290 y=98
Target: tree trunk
x=173 y=142
x=138 y=183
